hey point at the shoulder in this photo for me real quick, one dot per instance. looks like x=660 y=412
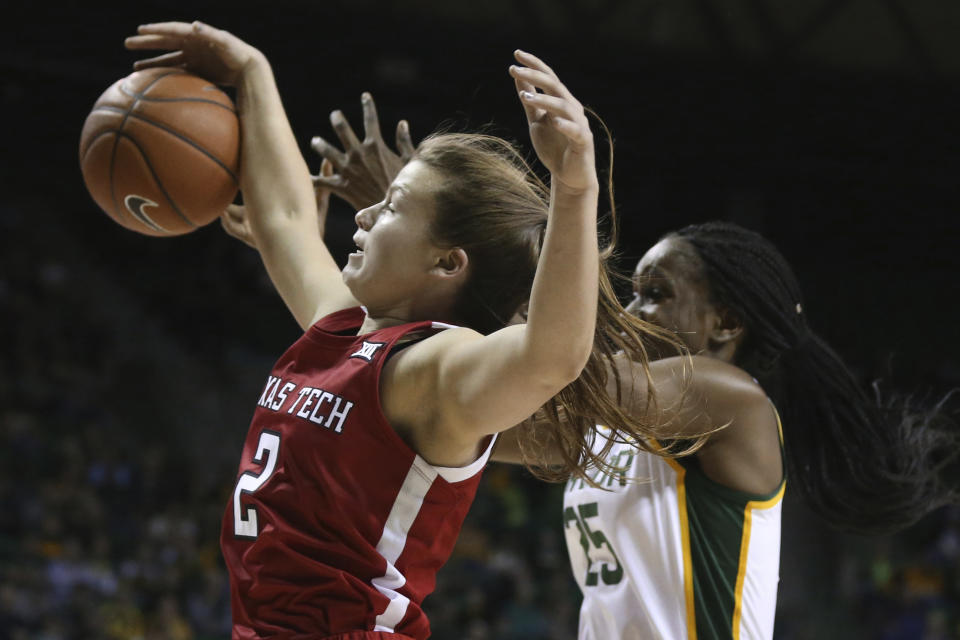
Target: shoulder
x=415 y=369
x=428 y=352
x=703 y=371
x=412 y=397
x=698 y=395
x=714 y=384
x=744 y=453
x=416 y=372
x=686 y=386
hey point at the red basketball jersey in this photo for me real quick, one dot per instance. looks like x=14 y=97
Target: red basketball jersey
x=335 y=524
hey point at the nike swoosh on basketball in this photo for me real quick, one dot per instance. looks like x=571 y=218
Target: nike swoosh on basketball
x=135 y=204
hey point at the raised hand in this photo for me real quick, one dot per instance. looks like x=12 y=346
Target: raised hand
x=559 y=128
x=364 y=170
x=212 y=53
x=237 y=225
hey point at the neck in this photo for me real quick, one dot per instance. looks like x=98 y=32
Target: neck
x=381 y=320
x=723 y=351
x=371 y=324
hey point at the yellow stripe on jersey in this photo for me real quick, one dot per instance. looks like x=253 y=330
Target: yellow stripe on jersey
x=685 y=543
x=745 y=541
x=745 y=548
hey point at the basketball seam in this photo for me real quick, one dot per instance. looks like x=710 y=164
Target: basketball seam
x=180 y=136
x=93 y=140
x=143 y=96
x=156 y=178
x=116 y=143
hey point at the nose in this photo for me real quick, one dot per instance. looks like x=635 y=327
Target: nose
x=645 y=311
x=364 y=218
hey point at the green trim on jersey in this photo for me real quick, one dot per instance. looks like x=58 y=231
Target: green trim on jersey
x=715 y=517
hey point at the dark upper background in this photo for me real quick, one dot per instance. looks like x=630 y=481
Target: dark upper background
x=829 y=125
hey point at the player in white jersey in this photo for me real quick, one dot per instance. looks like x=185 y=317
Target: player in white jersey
x=689 y=547
x=686 y=547
x=660 y=550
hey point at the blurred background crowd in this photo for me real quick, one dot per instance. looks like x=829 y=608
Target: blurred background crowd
x=130 y=366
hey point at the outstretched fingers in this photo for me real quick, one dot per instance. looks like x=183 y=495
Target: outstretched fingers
x=371 y=121
x=404 y=142
x=553 y=104
x=322 y=189
x=364 y=168
x=545 y=81
x=184 y=30
x=344 y=131
x=541 y=91
x=329 y=152
x=557 y=107
x=327 y=179
x=174 y=28
x=559 y=128
x=168 y=35
x=528 y=59
x=172 y=59
x=334 y=182
x=524 y=87
x=153 y=41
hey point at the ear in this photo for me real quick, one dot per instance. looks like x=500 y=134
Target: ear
x=726 y=327
x=451 y=263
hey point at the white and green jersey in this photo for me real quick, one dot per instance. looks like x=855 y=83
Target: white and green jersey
x=662 y=552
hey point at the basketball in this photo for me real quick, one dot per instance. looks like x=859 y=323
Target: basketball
x=160 y=152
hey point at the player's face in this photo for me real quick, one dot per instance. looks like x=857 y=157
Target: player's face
x=391 y=269
x=669 y=291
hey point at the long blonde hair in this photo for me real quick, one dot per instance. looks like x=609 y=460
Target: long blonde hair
x=494 y=207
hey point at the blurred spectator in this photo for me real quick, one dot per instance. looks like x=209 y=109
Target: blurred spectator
x=119 y=448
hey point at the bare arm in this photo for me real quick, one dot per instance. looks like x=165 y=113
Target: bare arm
x=281 y=207
x=706 y=395
x=473 y=385
x=278 y=192
x=694 y=396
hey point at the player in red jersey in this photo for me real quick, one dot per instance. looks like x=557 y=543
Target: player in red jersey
x=365 y=448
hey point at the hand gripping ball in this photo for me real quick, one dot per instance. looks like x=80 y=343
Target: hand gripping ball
x=160 y=152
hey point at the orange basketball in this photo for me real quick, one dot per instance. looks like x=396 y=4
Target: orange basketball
x=160 y=152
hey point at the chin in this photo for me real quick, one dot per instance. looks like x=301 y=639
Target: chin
x=349 y=277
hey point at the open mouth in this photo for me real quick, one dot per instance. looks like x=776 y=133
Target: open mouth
x=359 y=247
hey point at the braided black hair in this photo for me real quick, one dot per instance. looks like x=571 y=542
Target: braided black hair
x=864 y=462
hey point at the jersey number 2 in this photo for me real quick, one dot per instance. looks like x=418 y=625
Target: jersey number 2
x=245 y=520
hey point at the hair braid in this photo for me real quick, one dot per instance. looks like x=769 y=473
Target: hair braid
x=865 y=463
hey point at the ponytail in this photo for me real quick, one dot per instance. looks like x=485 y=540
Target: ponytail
x=864 y=461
